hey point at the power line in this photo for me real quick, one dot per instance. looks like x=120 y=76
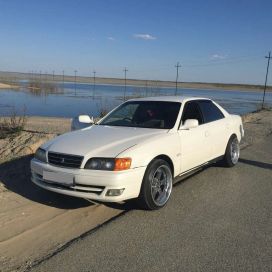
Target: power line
x=177 y=66
x=267 y=70
x=125 y=70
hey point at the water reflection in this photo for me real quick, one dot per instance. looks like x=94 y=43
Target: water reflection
x=42 y=88
x=47 y=98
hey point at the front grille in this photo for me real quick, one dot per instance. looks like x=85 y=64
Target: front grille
x=64 y=160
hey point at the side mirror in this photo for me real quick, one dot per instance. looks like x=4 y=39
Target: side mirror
x=190 y=123
x=86 y=119
x=82 y=121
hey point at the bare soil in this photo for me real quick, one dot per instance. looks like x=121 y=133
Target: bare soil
x=7 y=86
x=33 y=221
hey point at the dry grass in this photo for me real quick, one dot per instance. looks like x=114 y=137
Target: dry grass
x=13 y=125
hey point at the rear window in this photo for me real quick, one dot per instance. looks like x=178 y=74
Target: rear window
x=210 y=111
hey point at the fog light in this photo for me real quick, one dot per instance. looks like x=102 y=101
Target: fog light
x=114 y=192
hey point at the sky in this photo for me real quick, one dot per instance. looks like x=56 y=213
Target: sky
x=214 y=41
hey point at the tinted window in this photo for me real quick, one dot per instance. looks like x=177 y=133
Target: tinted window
x=209 y=111
x=145 y=114
x=192 y=111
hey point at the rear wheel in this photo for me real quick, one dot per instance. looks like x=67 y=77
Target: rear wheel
x=232 y=152
x=156 y=186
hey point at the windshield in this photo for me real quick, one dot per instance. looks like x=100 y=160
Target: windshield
x=144 y=114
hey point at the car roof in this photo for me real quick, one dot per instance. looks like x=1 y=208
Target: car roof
x=180 y=99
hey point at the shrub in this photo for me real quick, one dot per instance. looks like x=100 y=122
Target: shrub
x=13 y=125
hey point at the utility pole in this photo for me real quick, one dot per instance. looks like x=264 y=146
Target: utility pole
x=267 y=70
x=125 y=70
x=94 y=72
x=62 y=77
x=53 y=75
x=75 y=81
x=177 y=66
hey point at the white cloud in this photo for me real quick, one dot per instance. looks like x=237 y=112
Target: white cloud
x=111 y=39
x=144 y=36
x=218 y=57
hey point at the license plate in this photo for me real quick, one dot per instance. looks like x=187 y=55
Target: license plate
x=61 y=178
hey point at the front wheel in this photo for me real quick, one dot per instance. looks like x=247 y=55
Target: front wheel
x=156 y=186
x=232 y=152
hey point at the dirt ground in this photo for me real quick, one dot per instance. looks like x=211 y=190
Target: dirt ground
x=7 y=86
x=35 y=222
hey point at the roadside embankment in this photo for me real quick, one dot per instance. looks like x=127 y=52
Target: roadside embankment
x=257 y=125
x=35 y=222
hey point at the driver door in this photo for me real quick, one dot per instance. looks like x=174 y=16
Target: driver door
x=195 y=144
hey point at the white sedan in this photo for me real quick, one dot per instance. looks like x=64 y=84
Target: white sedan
x=139 y=150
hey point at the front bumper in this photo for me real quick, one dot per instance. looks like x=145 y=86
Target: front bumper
x=91 y=184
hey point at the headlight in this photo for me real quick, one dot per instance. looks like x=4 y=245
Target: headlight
x=109 y=164
x=40 y=155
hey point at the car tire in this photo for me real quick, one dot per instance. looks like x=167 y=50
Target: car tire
x=232 y=152
x=156 y=185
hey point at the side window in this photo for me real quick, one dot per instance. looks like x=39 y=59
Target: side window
x=210 y=111
x=191 y=111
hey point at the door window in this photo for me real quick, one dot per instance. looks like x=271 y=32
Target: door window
x=192 y=111
x=210 y=111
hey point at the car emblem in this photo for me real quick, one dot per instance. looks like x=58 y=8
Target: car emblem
x=62 y=160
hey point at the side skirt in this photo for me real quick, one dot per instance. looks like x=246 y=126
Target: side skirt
x=196 y=169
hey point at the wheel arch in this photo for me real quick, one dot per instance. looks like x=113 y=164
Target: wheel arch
x=167 y=159
x=232 y=136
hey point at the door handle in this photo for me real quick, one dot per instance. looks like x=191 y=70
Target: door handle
x=207 y=133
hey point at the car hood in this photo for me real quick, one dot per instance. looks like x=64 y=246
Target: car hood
x=100 y=141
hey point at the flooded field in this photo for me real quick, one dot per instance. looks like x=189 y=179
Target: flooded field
x=69 y=99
